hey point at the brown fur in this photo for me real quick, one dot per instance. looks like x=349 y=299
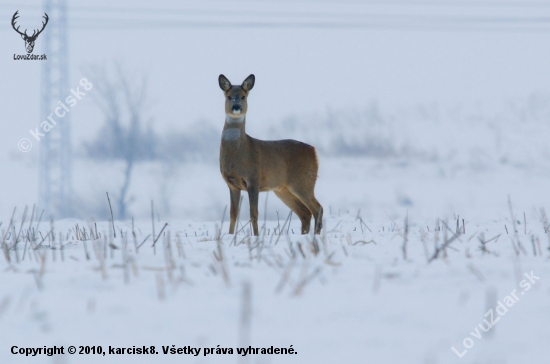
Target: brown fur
x=286 y=167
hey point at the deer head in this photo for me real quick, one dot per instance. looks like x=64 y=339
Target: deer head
x=235 y=96
x=29 y=40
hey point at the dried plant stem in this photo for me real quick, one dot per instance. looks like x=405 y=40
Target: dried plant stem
x=164 y=227
x=153 y=225
x=112 y=218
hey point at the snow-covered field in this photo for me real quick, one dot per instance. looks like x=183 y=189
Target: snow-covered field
x=351 y=295
x=428 y=137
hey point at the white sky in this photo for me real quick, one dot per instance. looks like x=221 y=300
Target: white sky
x=298 y=70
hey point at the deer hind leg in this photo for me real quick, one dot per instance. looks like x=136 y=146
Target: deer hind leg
x=307 y=197
x=301 y=210
x=234 y=210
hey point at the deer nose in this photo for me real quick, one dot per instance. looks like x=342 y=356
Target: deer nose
x=236 y=107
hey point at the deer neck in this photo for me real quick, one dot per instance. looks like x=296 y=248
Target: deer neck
x=234 y=129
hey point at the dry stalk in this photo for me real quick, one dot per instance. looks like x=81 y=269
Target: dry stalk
x=545 y=225
x=483 y=243
x=516 y=235
x=219 y=232
x=302 y=283
x=445 y=245
x=143 y=242
x=155 y=241
x=112 y=218
x=179 y=246
x=5 y=249
x=170 y=264
x=220 y=260
x=153 y=226
x=18 y=234
x=134 y=237
x=287 y=221
x=533 y=244
x=246 y=315
x=99 y=253
x=125 y=260
x=285 y=277
x=423 y=238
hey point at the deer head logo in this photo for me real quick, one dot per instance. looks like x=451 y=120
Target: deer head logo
x=29 y=40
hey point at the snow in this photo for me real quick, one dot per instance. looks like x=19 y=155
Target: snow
x=356 y=300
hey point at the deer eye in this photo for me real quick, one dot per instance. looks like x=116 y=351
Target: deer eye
x=242 y=98
x=229 y=97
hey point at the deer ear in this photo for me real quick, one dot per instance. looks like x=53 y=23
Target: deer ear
x=248 y=83
x=224 y=83
x=22 y=36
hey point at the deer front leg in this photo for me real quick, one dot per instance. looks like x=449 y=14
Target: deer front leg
x=253 y=195
x=234 y=210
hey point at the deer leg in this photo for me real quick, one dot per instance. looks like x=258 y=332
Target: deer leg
x=318 y=218
x=253 y=195
x=308 y=199
x=297 y=207
x=234 y=210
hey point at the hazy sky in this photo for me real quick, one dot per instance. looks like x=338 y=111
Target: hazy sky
x=458 y=53
x=297 y=70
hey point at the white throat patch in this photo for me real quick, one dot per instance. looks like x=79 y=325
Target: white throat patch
x=231 y=134
x=230 y=120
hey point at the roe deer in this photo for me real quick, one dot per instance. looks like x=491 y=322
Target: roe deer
x=286 y=167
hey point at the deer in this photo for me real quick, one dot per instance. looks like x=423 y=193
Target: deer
x=286 y=167
x=29 y=40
